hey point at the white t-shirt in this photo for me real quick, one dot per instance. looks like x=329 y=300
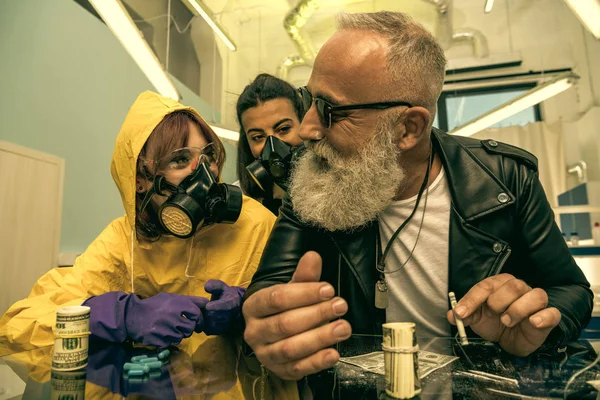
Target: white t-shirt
x=419 y=291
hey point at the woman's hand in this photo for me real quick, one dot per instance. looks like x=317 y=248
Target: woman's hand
x=223 y=313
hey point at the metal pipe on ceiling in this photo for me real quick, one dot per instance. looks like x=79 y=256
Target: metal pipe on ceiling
x=293 y=23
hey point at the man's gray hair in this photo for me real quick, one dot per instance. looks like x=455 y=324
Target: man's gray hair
x=415 y=59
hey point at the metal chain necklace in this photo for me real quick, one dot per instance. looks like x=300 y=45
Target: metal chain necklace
x=381 y=287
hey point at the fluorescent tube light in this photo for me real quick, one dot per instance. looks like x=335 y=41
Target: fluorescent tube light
x=198 y=7
x=226 y=133
x=588 y=12
x=119 y=22
x=488 y=6
x=530 y=98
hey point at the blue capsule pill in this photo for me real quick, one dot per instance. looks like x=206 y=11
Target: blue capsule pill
x=133 y=367
x=138 y=380
x=142 y=367
x=138 y=358
x=154 y=364
x=155 y=374
x=136 y=372
x=164 y=354
x=149 y=360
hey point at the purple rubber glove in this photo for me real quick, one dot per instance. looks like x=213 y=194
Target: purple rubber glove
x=223 y=313
x=159 y=320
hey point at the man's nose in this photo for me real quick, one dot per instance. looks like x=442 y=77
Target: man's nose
x=311 y=127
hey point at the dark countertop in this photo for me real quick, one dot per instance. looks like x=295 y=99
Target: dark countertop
x=216 y=368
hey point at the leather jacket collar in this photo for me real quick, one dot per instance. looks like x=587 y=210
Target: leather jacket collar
x=469 y=179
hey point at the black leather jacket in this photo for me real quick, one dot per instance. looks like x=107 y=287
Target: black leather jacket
x=500 y=221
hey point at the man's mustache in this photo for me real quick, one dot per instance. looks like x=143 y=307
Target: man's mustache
x=321 y=148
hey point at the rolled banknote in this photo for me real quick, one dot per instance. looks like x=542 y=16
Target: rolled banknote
x=67 y=384
x=71 y=338
x=400 y=353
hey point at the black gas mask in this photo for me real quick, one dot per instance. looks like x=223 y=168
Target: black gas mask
x=198 y=200
x=274 y=164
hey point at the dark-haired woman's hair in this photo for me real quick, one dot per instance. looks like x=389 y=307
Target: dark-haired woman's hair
x=265 y=87
x=170 y=134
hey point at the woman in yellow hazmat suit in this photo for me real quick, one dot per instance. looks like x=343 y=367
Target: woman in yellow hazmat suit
x=147 y=280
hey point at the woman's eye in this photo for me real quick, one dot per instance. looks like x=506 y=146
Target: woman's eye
x=178 y=163
x=210 y=156
x=284 y=129
x=257 y=138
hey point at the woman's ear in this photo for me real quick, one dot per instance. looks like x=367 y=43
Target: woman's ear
x=142 y=185
x=416 y=121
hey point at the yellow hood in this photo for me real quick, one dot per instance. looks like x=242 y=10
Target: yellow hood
x=145 y=114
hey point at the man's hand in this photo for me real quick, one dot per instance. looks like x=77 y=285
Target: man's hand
x=288 y=326
x=506 y=310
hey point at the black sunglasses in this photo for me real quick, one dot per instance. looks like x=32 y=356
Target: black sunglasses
x=326 y=109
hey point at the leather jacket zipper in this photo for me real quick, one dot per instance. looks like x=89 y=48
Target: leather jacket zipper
x=351 y=267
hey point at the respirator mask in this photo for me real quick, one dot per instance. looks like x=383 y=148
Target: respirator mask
x=199 y=199
x=274 y=164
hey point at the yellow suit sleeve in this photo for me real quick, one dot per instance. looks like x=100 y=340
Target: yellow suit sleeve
x=29 y=323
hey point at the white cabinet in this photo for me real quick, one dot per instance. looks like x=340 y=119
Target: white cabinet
x=31 y=190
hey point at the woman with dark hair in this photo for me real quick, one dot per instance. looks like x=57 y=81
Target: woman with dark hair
x=179 y=259
x=269 y=110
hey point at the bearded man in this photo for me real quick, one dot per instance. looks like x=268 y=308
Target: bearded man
x=386 y=215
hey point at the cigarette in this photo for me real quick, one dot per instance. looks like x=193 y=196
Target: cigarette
x=485 y=378
x=459 y=323
x=497 y=377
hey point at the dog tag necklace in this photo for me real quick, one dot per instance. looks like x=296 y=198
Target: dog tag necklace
x=381 y=287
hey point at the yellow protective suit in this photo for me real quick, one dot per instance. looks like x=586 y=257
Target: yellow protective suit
x=117 y=261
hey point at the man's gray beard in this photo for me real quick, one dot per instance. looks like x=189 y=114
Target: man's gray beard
x=342 y=193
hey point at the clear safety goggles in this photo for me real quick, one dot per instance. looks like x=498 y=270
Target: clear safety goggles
x=185 y=158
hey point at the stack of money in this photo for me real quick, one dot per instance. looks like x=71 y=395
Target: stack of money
x=373 y=362
x=71 y=338
x=67 y=384
x=400 y=351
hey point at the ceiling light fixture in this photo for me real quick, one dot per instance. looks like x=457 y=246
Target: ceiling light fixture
x=120 y=23
x=226 y=133
x=528 y=99
x=489 y=4
x=201 y=10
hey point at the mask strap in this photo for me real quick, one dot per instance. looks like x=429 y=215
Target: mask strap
x=187 y=267
x=132 y=242
x=147 y=199
x=160 y=184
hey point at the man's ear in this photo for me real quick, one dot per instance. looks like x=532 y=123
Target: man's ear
x=142 y=185
x=416 y=121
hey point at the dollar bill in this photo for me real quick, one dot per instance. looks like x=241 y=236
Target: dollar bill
x=401 y=360
x=66 y=385
x=373 y=362
x=71 y=338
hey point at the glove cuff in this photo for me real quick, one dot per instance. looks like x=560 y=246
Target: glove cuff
x=241 y=291
x=130 y=315
x=108 y=315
